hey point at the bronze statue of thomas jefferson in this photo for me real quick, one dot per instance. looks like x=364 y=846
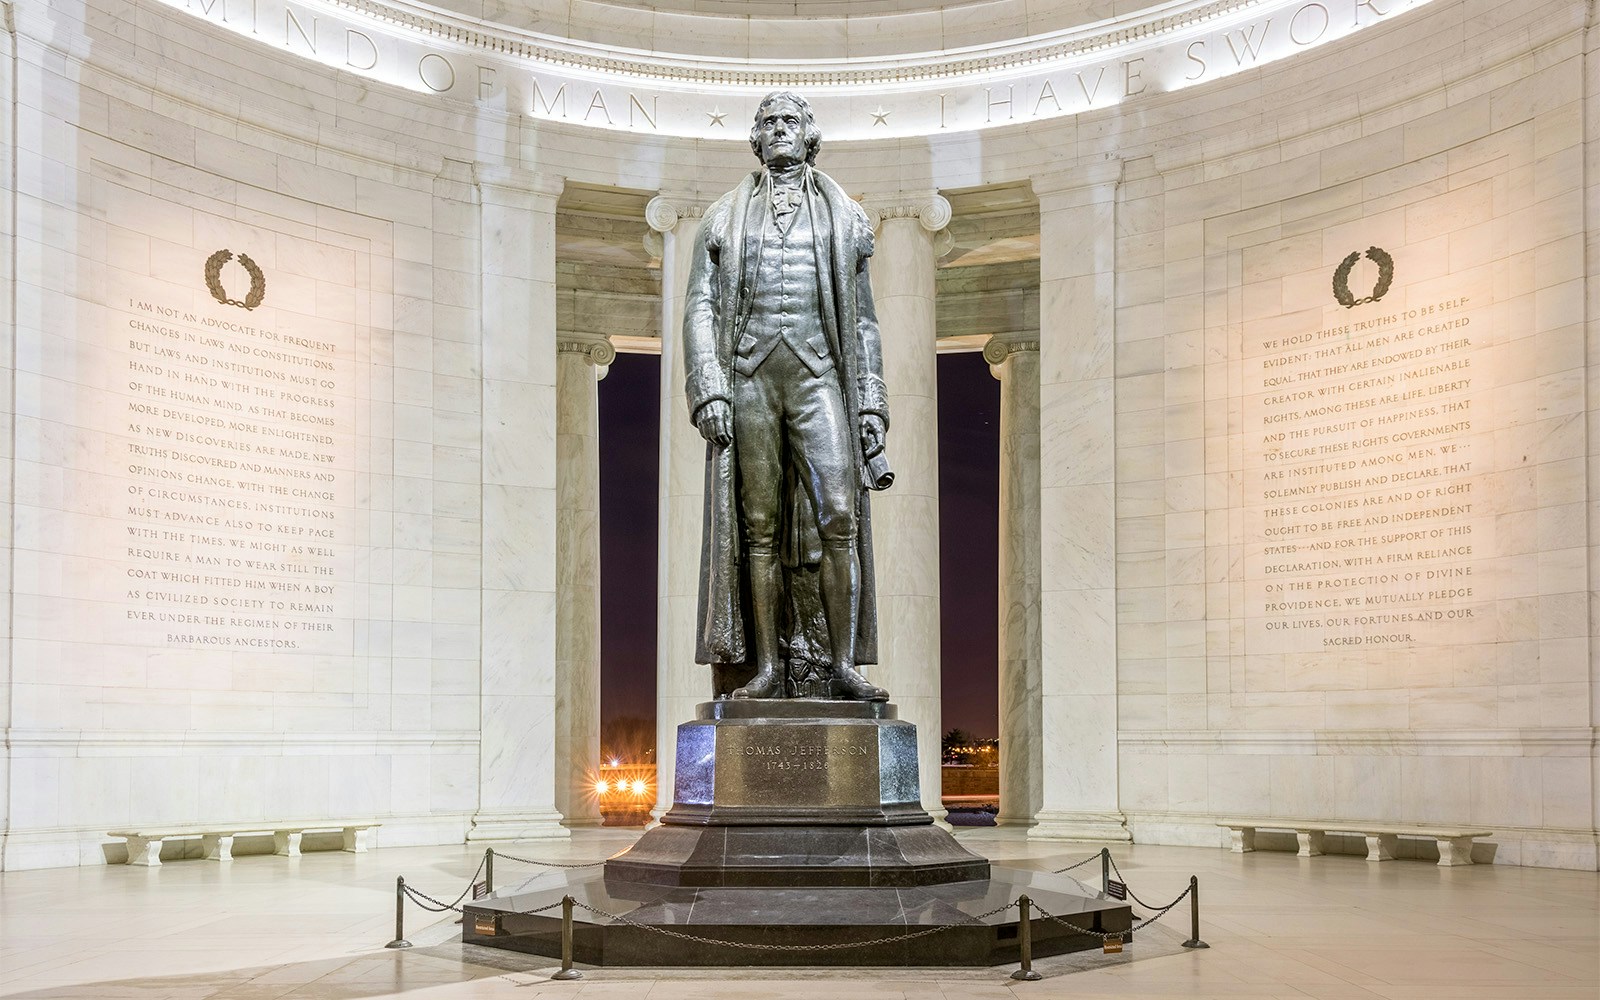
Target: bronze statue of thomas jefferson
x=785 y=383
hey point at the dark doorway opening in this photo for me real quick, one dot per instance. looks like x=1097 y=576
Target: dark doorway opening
x=630 y=418
x=969 y=498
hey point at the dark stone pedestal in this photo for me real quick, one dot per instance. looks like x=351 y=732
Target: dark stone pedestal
x=797 y=793
x=790 y=762
x=794 y=822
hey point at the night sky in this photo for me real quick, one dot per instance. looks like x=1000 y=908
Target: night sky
x=969 y=427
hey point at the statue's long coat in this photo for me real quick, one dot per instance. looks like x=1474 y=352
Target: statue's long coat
x=726 y=255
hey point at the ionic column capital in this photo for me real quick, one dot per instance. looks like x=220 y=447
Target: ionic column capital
x=596 y=350
x=1002 y=345
x=663 y=213
x=931 y=210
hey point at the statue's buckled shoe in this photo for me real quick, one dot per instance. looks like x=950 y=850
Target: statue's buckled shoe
x=766 y=684
x=849 y=683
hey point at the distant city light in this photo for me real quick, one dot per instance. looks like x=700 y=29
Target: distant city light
x=602 y=786
x=638 y=786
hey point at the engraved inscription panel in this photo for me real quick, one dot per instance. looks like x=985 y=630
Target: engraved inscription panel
x=779 y=764
x=1370 y=459
x=238 y=436
x=203 y=409
x=1366 y=489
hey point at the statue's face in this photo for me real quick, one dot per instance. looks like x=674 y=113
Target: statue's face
x=781 y=134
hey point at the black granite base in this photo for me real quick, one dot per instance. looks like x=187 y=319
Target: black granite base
x=869 y=917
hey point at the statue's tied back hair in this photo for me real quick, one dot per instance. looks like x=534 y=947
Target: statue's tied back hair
x=813 y=134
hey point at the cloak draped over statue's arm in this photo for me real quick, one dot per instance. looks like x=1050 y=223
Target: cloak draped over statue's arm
x=870 y=386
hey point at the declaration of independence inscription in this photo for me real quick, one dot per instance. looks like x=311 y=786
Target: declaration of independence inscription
x=1363 y=481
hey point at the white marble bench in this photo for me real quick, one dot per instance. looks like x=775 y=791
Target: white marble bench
x=1455 y=843
x=144 y=845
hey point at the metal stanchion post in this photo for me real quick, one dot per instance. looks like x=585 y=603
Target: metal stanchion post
x=488 y=871
x=399 y=914
x=1025 y=940
x=1105 y=869
x=1194 y=915
x=567 y=971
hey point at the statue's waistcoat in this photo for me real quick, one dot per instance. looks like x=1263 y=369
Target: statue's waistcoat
x=785 y=307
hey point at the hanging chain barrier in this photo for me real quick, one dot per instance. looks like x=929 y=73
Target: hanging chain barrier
x=1102 y=935
x=489 y=854
x=1026 y=908
x=475 y=888
x=402 y=892
x=1131 y=895
x=1106 y=864
x=1098 y=855
x=548 y=864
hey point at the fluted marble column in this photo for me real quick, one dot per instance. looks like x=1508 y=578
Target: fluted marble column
x=1077 y=506
x=905 y=519
x=580 y=364
x=517 y=770
x=1014 y=360
x=680 y=682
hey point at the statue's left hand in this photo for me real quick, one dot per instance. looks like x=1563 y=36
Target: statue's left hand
x=872 y=434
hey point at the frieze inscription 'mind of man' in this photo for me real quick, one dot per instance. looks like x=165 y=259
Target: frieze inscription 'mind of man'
x=785 y=383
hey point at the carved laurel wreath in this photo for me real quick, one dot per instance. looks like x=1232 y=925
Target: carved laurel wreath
x=258 y=281
x=1341 y=277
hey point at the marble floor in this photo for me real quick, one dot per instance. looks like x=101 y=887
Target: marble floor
x=1332 y=928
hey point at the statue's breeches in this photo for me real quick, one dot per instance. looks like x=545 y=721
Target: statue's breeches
x=785 y=414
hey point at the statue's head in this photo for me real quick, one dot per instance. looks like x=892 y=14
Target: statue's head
x=785 y=132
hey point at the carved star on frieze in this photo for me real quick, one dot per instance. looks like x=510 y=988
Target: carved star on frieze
x=880 y=116
x=716 y=115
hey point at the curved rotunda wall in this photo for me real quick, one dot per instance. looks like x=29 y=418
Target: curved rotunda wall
x=405 y=245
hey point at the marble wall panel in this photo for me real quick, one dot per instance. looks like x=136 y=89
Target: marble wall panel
x=1456 y=197
x=142 y=204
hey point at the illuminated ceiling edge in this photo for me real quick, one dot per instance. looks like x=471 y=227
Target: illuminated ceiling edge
x=668 y=68
x=627 y=94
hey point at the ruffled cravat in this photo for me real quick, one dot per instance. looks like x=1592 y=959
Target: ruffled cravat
x=786 y=199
